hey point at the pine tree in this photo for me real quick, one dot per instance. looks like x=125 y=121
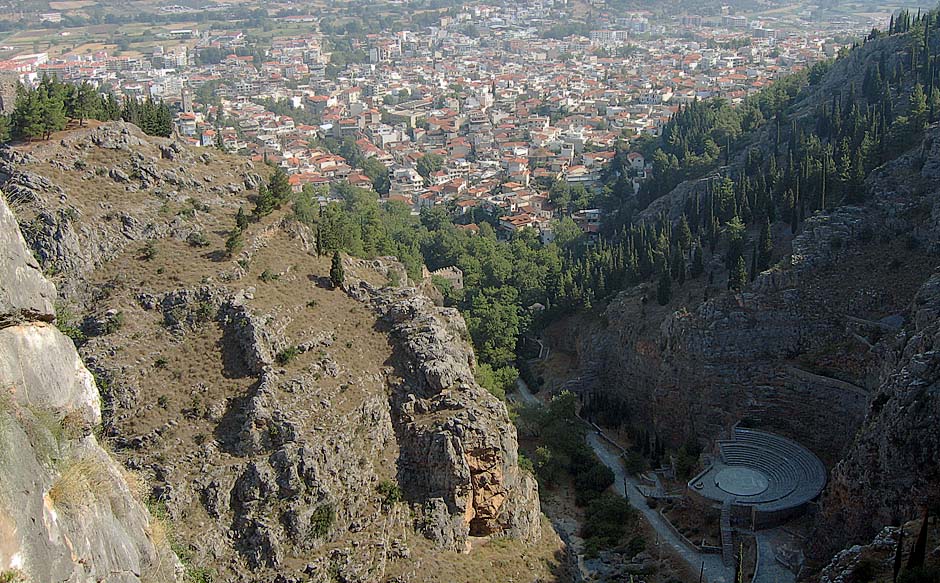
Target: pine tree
x=53 y=113
x=264 y=203
x=28 y=114
x=279 y=185
x=234 y=242
x=83 y=103
x=336 y=270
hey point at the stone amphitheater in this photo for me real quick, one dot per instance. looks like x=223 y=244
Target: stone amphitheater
x=764 y=478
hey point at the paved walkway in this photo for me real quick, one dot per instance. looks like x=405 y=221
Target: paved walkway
x=523 y=394
x=715 y=571
x=769 y=570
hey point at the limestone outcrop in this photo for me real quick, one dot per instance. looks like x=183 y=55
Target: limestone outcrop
x=458 y=447
x=874 y=559
x=67 y=510
x=137 y=179
x=892 y=471
x=286 y=430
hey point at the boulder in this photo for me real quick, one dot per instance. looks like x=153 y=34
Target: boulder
x=24 y=293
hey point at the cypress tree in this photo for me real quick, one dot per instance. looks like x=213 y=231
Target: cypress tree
x=898 y=552
x=111 y=109
x=664 y=289
x=919 y=550
x=753 y=263
x=737 y=277
x=918 y=108
x=241 y=219
x=684 y=234
x=698 y=262
x=337 y=275
x=765 y=247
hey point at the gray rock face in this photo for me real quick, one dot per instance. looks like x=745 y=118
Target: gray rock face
x=880 y=553
x=66 y=511
x=25 y=294
x=458 y=447
x=258 y=343
x=724 y=360
x=892 y=469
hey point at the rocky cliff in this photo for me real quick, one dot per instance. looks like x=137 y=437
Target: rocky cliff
x=877 y=558
x=892 y=470
x=285 y=428
x=788 y=352
x=456 y=440
x=67 y=510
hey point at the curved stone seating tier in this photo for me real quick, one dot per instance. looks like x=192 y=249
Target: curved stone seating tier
x=794 y=475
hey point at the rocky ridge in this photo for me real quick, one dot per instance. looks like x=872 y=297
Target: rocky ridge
x=273 y=418
x=875 y=560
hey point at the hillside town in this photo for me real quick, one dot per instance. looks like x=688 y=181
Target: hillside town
x=498 y=111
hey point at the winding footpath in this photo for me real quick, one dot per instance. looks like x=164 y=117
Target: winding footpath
x=714 y=570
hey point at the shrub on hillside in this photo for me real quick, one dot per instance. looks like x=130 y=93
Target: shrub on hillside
x=606 y=521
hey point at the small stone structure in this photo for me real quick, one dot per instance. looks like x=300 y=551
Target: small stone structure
x=452 y=274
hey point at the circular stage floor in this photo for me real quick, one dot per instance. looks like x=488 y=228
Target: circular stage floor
x=741 y=481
